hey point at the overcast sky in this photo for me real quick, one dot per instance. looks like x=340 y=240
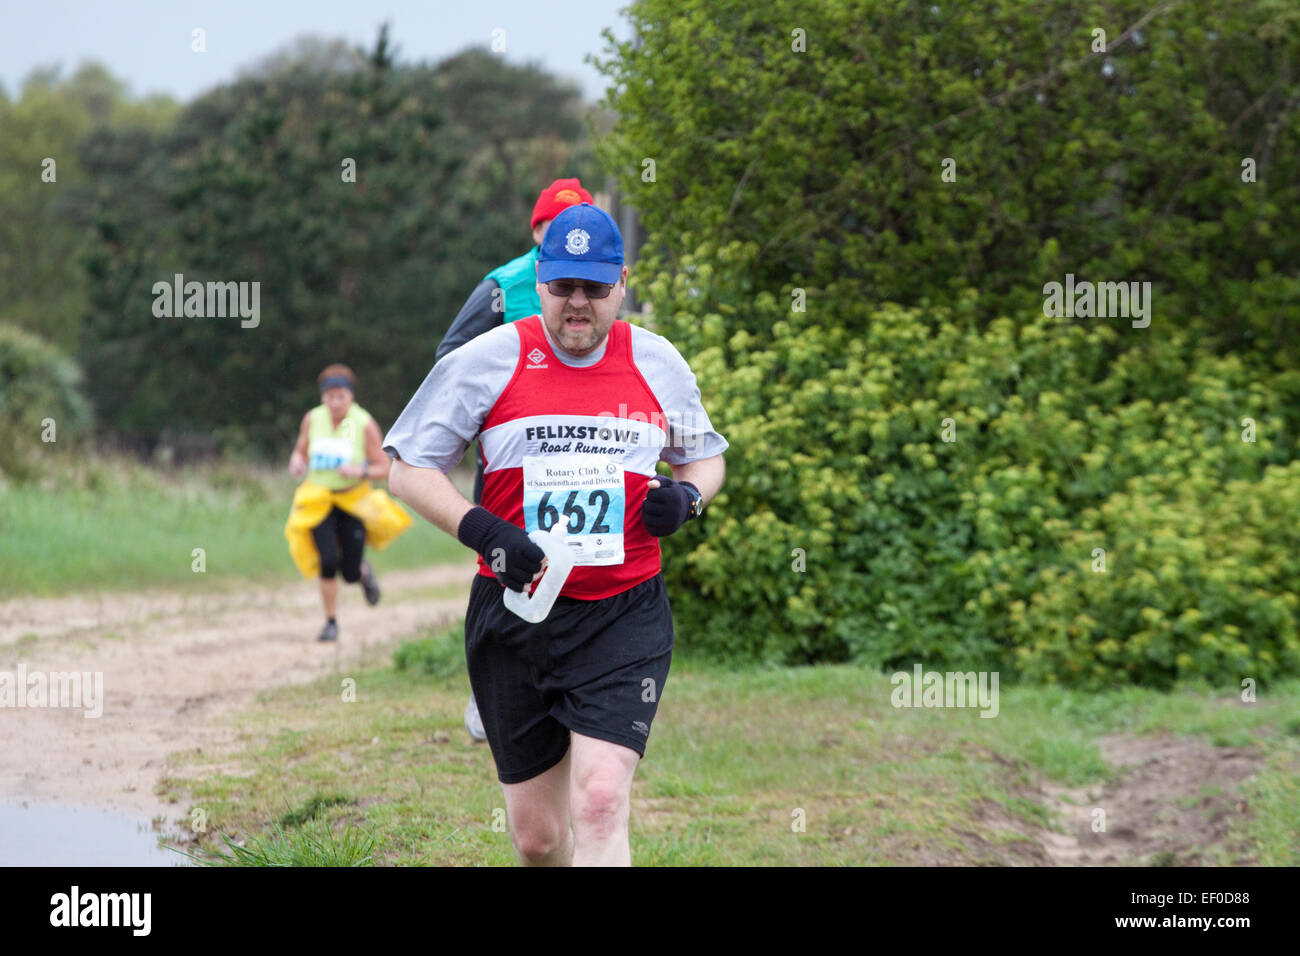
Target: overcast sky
x=148 y=42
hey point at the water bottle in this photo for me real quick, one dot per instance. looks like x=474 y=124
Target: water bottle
x=559 y=562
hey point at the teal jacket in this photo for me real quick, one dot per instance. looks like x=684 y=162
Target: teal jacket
x=507 y=294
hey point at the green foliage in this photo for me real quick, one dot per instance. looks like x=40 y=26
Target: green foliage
x=42 y=224
x=978 y=552
x=37 y=382
x=438 y=656
x=248 y=185
x=315 y=844
x=1118 y=165
x=783 y=176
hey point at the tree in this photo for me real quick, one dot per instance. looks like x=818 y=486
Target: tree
x=43 y=192
x=253 y=184
x=830 y=151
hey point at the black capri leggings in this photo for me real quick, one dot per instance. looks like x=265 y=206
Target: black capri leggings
x=340 y=534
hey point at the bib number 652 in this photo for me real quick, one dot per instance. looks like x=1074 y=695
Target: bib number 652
x=548 y=514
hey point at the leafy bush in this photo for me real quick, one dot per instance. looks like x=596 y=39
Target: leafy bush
x=37 y=382
x=248 y=186
x=1125 y=164
x=799 y=153
x=979 y=552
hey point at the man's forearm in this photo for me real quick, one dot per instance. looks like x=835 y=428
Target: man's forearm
x=430 y=493
x=705 y=474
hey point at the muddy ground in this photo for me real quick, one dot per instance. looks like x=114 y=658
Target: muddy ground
x=176 y=666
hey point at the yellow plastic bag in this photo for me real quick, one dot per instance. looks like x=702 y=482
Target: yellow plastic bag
x=383 y=517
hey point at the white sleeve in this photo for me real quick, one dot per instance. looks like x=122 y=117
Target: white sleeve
x=690 y=434
x=447 y=411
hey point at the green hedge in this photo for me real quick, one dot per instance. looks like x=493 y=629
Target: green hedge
x=978 y=553
x=802 y=147
x=827 y=147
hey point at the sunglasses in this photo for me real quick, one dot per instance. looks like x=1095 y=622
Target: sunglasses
x=566 y=287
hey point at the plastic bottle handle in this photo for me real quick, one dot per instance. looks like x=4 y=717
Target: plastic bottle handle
x=559 y=562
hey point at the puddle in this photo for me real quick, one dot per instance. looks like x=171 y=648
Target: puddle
x=42 y=835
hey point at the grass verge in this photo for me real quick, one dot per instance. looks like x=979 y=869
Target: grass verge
x=809 y=766
x=111 y=523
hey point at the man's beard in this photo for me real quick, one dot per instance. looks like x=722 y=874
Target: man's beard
x=579 y=337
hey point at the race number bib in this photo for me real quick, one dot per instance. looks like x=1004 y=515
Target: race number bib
x=326 y=454
x=586 y=492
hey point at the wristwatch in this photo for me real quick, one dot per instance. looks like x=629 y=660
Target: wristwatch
x=697 y=499
x=365 y=471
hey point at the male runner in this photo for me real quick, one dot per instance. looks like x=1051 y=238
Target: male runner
x=507 y=294
x=572 y=408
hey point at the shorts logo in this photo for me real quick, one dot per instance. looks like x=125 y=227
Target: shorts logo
x=577 y=242
x=641 y=727
x=536 y=356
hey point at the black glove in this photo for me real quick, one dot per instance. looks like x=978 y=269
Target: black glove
x=508 y=551
x=667 y=507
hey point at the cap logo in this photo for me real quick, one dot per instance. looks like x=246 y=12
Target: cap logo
x=567 y=195
x=577 y=242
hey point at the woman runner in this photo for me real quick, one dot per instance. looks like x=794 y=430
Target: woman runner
x=336 y=510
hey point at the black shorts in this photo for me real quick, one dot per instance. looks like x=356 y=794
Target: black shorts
x=594 y=667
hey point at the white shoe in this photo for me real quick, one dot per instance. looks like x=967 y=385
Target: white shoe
x=473 y=722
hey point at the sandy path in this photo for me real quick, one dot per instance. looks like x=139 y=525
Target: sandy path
x=172 y=663
x=175 y=665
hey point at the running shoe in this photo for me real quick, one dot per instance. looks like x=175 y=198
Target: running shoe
x=330 y=633
x=369 y=584
x=473 y=722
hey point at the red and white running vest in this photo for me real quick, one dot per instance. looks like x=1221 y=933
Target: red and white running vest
x=577 y=445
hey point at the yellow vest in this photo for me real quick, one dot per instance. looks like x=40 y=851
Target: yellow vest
x=328 y=447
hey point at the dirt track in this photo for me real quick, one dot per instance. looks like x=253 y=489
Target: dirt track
x=175 y=664
x=1172 y=802
x=171 y=664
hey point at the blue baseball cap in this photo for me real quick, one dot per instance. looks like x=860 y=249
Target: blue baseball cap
x=582 y=242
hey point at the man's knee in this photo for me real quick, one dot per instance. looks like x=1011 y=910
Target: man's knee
x=352 y=574
x=600 y=802
x=329 y=567
x=539 y=841
x=534 y=848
